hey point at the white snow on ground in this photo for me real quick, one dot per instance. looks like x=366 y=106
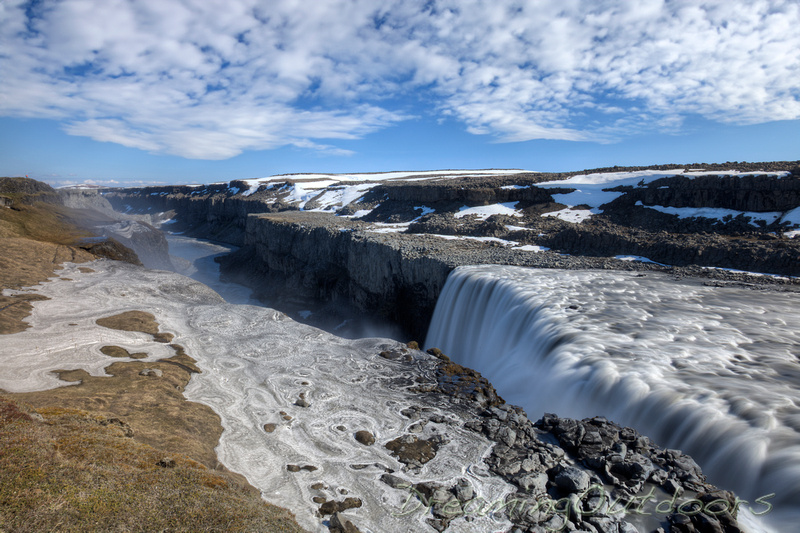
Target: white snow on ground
x=425 y=210
x=254 y=183
x=690 y=173
x=253 y=187
x=638 y=259
x=792 y=217
x=485 y=211
x=717 y=213
x=593 y=197
x=360 y=213
x=589 y=187
x=395 y=227
x=571 y=215
x=605 y=180
x=383 y=176
x=531 y=248
x=589 y=190
x=641 y=259
x=331 y=199
x=517 y=228
x=470 y=238
x=306 y=186
x=389 y=228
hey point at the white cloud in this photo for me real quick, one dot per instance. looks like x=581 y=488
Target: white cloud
x=211 y=78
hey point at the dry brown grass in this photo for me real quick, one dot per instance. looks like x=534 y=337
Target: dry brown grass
x=13 y=309
x=131 y=454
x=112 y=453
x=63 y=469
x=141 y=321
x=154 y=407
x=36 y=238
x=34 y=241
x=43 y=222
x=118 y=351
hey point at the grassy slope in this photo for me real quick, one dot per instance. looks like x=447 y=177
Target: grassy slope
x=110 y=454
x=70 y=470
x=36 y=238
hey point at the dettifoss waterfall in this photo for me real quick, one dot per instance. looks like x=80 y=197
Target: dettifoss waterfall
x=713 y=371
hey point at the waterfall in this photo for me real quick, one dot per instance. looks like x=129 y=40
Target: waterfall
x=711 y=371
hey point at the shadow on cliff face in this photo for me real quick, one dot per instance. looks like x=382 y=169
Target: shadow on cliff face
x=337 y=315
x=342 y=319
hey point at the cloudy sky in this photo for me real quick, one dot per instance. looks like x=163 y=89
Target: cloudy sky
x=200 y=90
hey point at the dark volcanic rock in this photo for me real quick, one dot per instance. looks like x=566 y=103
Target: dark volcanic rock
x=332 y=506
x=365 y=437
x=112 y=249
x=412 y=450
x=295 y=258
x=741 y=193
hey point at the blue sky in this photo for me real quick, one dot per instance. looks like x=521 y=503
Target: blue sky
x=173 y=91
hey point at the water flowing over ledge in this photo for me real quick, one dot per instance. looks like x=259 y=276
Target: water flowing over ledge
x=712 y=371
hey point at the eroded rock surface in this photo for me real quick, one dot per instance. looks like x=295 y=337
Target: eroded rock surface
x=389 y=249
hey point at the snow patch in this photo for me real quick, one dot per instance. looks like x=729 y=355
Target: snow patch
x=485 y=211
x=470 y=238
x=717 y=213
x=381 y=227
x=792 y=217
x=415 y=175
x=574 y=216
x=733 y=270
x=638 y=259
x=532 y=248
x=590 y=189
x=360 y=213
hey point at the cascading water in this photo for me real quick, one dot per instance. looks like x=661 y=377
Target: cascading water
x=713 y=371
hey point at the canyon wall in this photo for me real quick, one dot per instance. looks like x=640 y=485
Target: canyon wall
x=393 y=259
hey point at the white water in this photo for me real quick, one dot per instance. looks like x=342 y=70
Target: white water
x=712 y=371
x=195 y=258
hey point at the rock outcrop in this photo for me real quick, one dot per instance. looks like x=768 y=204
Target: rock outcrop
x=298 y=256
x=568 y=475
x=389 y=250
x=742 y=193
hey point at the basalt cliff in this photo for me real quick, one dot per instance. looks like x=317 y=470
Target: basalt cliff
x=385 y=244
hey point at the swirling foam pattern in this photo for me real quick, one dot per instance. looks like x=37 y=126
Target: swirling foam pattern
x=256 y=362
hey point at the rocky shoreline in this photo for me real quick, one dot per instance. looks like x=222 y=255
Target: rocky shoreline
x=568 y=475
